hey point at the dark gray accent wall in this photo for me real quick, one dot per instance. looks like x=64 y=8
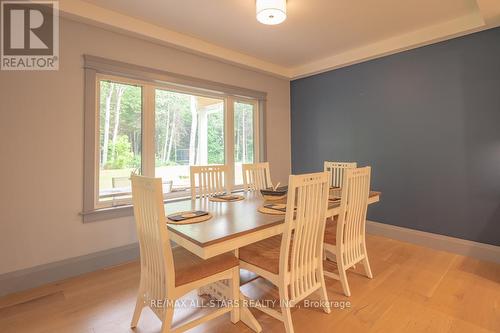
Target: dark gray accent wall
x=426 y=120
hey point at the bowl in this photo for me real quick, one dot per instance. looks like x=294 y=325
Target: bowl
x=271 y=194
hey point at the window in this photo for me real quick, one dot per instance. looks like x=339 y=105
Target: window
x=120 y=135
x=160 y=128
x=189 y=131
x=244 y=144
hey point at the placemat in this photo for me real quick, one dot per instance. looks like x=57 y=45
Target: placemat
x=189 y=220
x=230 y=198
x=270 y=211
x=276 y=211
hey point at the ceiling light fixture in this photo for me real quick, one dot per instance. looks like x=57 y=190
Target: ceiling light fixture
x=271 y=12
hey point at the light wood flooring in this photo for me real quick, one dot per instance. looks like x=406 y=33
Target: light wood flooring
x=414 y=289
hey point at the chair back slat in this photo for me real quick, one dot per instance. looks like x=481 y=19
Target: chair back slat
x=352 y=218
x=302 y=242
x=157 y=268
x=256 y=176
x=209 y=180
x=336 y=171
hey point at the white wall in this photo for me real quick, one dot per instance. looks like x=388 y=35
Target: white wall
x=41 y=144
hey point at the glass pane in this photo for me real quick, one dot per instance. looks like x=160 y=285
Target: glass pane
x=120 y=139
x=243 y=138
x=189 y=131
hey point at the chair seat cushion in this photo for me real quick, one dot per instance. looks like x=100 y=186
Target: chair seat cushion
x=189 y=267
x=331 y=231
x=264 y=254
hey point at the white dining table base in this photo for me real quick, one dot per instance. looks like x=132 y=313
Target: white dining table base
x=220 y=291
x=248 y=318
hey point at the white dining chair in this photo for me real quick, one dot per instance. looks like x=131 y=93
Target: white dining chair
x=345 y=235
x=209 y=180
x=293 y=261
x=256 y=176
x=169 y=273
x=336 y=171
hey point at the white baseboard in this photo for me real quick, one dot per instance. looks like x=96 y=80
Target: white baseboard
x=439 y=242
x=39 y=275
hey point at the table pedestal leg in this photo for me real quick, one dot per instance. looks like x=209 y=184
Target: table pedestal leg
x=248 y=318
x=220 y=291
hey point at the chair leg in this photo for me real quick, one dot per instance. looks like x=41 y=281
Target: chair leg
x=343 y=280
x=366 y=265
x=287 y=319
x=285 y=310
x=323 y=293
x=139 y=305
x=167 y=320
x=235 y=295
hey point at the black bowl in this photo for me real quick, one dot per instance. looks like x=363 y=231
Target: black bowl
x=280 y=191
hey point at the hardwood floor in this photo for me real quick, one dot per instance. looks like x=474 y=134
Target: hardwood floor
x=415 y=289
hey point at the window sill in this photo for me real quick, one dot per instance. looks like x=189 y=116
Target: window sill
x=109 y=213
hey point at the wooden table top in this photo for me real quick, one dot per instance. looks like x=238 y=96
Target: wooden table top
x=230 y=219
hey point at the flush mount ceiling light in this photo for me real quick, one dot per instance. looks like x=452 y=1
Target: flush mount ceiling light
x=271 y=12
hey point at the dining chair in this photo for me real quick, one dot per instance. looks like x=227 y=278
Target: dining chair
x=336 y=171
x=256 y=176
x=169 y=273
x=209 y=180
x=345 y=235
x=293 y=261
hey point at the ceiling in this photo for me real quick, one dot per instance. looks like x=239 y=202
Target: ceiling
x=318 y=35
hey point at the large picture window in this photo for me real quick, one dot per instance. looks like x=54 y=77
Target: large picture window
x=162 y=129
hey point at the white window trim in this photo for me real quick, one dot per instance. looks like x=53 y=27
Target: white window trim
x=97 y=69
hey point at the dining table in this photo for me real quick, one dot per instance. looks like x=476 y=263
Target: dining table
x=233 y=224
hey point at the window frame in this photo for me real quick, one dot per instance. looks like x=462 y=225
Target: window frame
x=98 y=69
